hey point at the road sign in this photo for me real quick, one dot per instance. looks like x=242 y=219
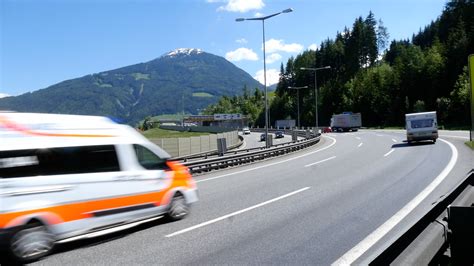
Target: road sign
x=227 y=116
x=471 y=78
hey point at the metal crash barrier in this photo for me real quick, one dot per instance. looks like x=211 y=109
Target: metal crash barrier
x=443 y=236
x=247 y=156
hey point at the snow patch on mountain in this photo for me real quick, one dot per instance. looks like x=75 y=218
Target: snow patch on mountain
x=183 y=51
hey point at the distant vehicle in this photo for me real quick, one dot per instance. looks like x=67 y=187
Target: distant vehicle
x=246 y=130
x=327 y=130
x=346 y=122
x=279 y=134
x=71 y=177
x=421 y=126
x=262 y=137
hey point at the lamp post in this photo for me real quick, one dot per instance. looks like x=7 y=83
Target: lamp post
x=298 y=100
x=315 y=91
x=264 y=64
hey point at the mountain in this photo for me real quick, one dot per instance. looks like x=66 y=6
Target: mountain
x=182 y=80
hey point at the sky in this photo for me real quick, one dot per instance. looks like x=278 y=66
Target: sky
x=43 y=42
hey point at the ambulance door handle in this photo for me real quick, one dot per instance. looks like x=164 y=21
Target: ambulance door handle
x=126 y=177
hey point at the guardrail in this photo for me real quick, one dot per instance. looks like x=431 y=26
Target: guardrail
x=206 y=155
x=234 y=158
x=443 y=236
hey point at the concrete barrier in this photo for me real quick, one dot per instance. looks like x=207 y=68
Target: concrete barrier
x=193 y=145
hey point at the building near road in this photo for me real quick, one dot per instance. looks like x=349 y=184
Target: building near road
x=218 y=120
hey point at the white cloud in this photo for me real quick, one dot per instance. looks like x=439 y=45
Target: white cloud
x=243 y=41
x=273 y=58
x=273 y=46
x=258 y=15
x=242 y=5
x=216 y=1
x=313 y=47
x=241 y=54
x=273 y=76
x=2 y=95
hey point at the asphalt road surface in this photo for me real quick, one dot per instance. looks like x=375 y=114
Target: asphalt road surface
x=252 y=140
x=310 y=207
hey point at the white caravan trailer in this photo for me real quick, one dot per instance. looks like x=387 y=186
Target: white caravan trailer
x=421 y=126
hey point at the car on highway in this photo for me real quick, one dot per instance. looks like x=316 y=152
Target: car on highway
x=279 y=134
x=71 y=176
x=246 y=130
x=327 y=130
x=262 y=137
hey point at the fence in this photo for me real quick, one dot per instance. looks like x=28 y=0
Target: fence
x=186 y=146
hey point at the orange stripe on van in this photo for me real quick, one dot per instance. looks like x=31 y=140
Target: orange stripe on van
x=81 y=210
x=16 y=127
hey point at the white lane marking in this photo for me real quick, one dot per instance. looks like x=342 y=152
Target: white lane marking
x=358 y=138
x=388 y=153
x=394 y=140
x=352 y=255
x=458 y=137
x=360 y=144
x=270 y=164
x=330 y=158
x=378 y=135
x=235 y=213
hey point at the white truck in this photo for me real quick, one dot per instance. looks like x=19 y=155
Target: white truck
x=421 y=126
x=346 y=122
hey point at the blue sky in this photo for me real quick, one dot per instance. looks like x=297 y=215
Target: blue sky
x=48 y=41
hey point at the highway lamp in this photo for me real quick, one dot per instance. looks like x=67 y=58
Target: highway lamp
x=315 y=92
x=265 y=65
x=298 y=100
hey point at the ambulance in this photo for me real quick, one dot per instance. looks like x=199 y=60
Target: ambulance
x=67 y=177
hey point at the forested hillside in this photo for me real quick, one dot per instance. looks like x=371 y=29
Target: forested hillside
x=428 y=72
x=183 y=80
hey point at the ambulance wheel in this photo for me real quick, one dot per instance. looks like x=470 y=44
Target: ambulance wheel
x=178 y=208
x=31 y=243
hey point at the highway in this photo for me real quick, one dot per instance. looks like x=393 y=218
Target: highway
x=252 y=140
x=310 y=207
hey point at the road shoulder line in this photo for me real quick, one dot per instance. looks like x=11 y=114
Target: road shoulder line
x=353 y=254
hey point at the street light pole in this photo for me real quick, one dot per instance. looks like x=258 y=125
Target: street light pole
x=315 y=91
x=298 y=100
x=264 y=65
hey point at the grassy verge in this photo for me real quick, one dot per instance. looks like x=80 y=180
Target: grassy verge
x=158 y=133
x=470 y=144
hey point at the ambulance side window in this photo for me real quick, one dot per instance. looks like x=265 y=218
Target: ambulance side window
x=149 y=160
x=58 y=161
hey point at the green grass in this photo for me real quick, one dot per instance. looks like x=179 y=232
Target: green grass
x=103 y=85
x=202 y=94
x=139 y=76
x=470 y=144
x=158 y=133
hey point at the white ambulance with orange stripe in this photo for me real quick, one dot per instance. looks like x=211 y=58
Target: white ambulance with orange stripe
x=64 y=177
